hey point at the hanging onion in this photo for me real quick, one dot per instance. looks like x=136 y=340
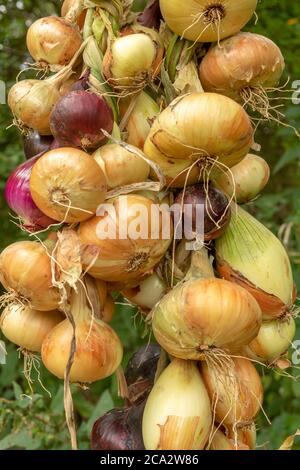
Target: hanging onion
x=246 y=180
x=25 y=271
x=203 y=21
x=73 y=8
x=53 y=41
x=177 y=415
x=235 y=391
x=34 y=143
x=67 y=184
x=243 y=68
x=118 y=245
x=120 y=166
x=250 y=255
x=28 y=328
x=98 y=348
x=198 y=131
x=241 y=439
x=147 y=293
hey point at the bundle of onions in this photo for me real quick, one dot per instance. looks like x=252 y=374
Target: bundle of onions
x=272 y=342
x=72 y=11
x=241 y=439
x=126 y=240
x=203 y=314
x=147 y=293
x=19 y=199
x=53 y=41
x=34 y=144
x=25 y=271
x=177 y=414
x=243 y=68
x=139 y=118
x=236 y=392
x=246 y=180
x=98 y=348
x=250 y=255
x=203 y=130
x=203 y=21
x=120 y=166
x=27 y=328
x=132 y=59
x=79 y=118
x=67 y=184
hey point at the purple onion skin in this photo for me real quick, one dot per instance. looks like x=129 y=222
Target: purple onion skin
x=151 y=16
x=143 y=364
x=18 y=197
x=82 y=84
x=78 y=118
x=34 y=143
x=119 y=429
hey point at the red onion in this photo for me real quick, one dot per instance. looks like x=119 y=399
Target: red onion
x=151 y=15
x=119 y=429
x=18 y=197
x=34 y=143
x=82 y=84
x=78 y=118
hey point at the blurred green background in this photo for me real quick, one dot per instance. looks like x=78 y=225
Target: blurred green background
x=37 y=422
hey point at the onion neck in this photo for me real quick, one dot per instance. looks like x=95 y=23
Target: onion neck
x=201 y=267
x=80 y=308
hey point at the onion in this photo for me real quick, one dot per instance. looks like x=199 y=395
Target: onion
x=243 y=68
x=198 y=130
x=27 y=328
x=141 y=117
x=25 y=271
x=111 y=252
x=98 y=348
x=53 y=41
x=177 y=414
x=66 y=11
x=34 y=143
x=79 y=118
x=250 y=255
x=236 y=392
x=147 y=293
x=241 y=439
x=246 y=180
x=203 y=21
x=120 y=166
x=215 y=206
x=119 y=429
x=67 y=184
x=19 y=199
x=202 y=314
x=151 y=16
x=272 y=342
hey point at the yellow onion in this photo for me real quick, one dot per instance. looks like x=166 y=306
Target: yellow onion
x=98 y=348
x=112 y=247
x=203 y=21
x=246 y=180
x=177 y=414
x=25 y=271
x=273 y=341
x=200 y=315
x=196 y=131
x=140 y=119
x=67 y=183
x=120 y=166
x=250 y=255
x=72 y=10
x=235 y=391
x=147 y=293
x=53 y=41
x=242 y=67
x=241 y=439
x=26 y=327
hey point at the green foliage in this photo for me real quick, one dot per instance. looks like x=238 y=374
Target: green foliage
x=36 y=421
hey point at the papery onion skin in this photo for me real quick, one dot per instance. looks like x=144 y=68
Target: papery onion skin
x=246 y=180
x=19 y=199
x=27 y=328
x=116 y=259
x=53 y=40
x=203 y=314
x=34 y=144
x=273 y=340
x=177 y=414
x=78 y=119
x=192 y=20
x=151 y=16
x=236 y=394
x=194 y=131
x=246 y=60
x=120 y=166
x=25 y=269
x=240 y=439
x=67 y=184
x=250 y=255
